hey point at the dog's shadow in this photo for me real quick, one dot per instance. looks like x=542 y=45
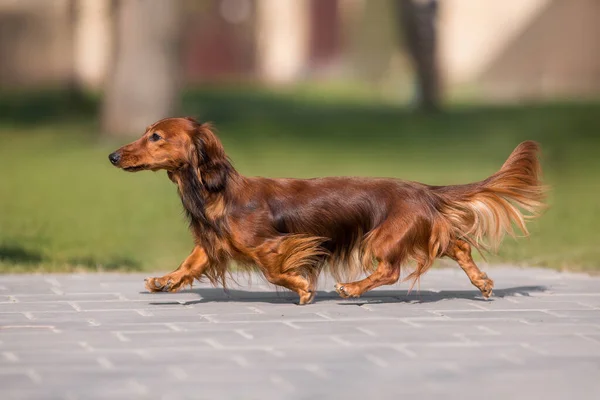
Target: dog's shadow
x=208 y=295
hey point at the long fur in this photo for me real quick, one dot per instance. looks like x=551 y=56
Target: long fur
x=482 y=213
x=289 y=228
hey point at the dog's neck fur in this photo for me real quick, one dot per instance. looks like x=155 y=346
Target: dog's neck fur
x=205 y=209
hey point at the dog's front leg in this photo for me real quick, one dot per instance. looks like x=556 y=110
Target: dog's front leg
x=192 y=268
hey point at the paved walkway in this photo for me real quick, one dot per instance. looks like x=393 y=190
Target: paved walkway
x=99 y=336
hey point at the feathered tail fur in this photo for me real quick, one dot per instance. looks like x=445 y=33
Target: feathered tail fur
x=482 y=213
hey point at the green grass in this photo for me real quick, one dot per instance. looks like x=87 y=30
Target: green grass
x=63 y=207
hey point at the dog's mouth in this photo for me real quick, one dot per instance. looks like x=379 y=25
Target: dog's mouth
x=135 y=168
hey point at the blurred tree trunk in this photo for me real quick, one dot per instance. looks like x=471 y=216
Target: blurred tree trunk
x=371 y=38
x=92 y=36
x=143 y=84
x=282 y=39
x=74 y=89
x=417 y=28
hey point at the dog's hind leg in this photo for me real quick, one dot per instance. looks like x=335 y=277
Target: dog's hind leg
x=460 y=251
x=294 y=283
x=293 y=262
x=192 y=268
x=388 y=244
x=385 y=274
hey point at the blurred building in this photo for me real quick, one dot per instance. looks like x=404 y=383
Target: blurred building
x=36 y=42
x=522 y=48
x=500 y=50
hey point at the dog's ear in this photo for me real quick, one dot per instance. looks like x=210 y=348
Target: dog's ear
x=213 y=164
x=215 y=177
x=171 y=176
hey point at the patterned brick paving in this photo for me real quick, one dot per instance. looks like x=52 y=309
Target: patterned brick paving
x=101 y=336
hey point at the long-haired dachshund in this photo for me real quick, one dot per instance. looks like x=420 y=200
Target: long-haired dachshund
x=292 y=229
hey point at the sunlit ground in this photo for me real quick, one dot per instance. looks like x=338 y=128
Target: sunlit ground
x=63 y=207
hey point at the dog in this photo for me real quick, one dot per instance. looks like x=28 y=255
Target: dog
x=291 y=230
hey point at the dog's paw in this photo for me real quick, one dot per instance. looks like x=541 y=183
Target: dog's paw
x=346 y=290
x=341 y=290
x=307 y=298
x=158 y=284
x=486 y=285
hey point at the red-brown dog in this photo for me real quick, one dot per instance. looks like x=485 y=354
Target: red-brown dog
x=292 y=229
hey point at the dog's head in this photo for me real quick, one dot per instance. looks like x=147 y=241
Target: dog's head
x=174 y=144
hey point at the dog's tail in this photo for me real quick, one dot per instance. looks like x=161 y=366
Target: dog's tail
x=482 y=213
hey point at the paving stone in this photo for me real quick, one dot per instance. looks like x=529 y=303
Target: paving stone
x=529 y=313
x=92 y=336
x=37 y=298
x=12 y=319
x=39 y=307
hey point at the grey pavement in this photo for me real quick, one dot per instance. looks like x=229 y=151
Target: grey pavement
x=94 y=336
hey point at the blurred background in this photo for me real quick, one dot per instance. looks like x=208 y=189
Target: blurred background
x=426 y=90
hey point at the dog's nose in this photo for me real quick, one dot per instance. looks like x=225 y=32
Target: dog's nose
x=114 y=158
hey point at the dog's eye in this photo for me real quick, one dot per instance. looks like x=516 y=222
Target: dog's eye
x=155 y=137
